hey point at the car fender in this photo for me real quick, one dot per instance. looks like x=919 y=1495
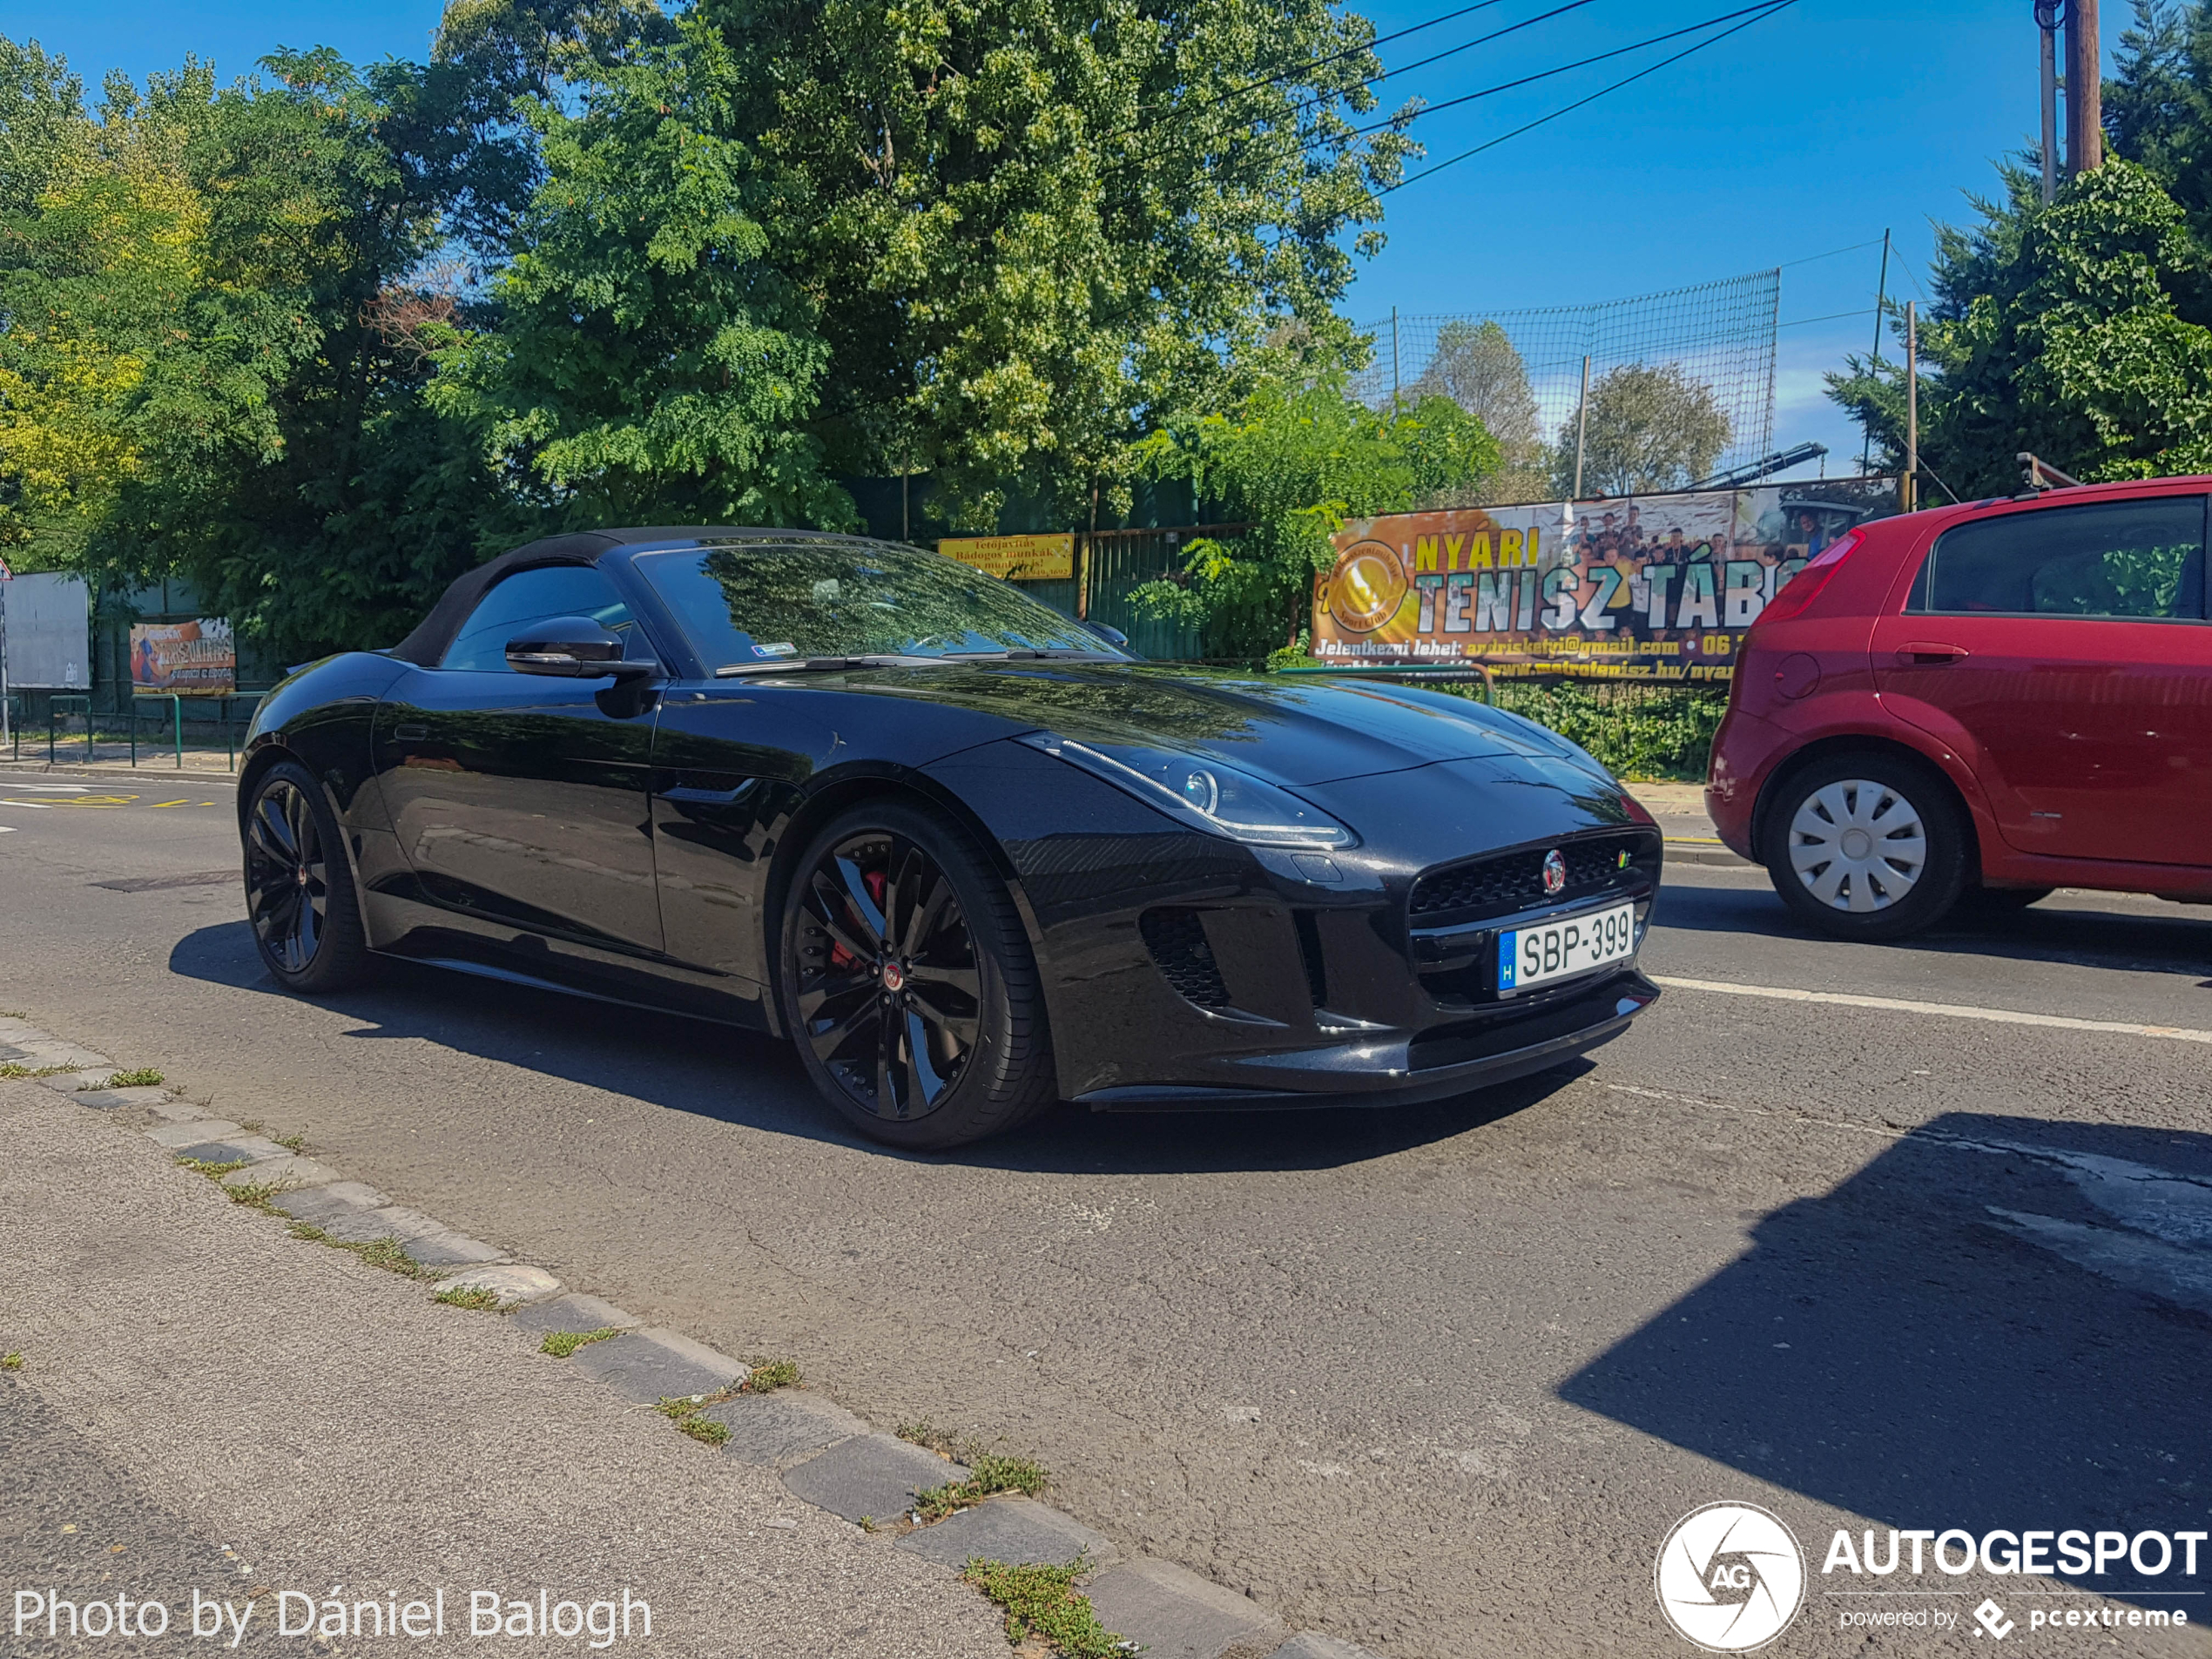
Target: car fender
x=1864 y=717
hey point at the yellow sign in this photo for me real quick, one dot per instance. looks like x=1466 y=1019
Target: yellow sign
x=1017 y=558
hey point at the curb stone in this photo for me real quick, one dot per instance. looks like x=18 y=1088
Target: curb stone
x=575 y=1313
x=513 y=1283
x=875 y=1475
x=656 y=1365
x=827 y=1456
x=778 y=1430
x=1019 y=1531
x=1177 y=1615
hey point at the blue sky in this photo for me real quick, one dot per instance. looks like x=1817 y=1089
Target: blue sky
x=1811 y=130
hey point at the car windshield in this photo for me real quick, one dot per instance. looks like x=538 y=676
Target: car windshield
x=745 y=606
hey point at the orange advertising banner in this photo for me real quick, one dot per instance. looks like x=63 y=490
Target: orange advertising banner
x=1641 y=587
x=198 y=658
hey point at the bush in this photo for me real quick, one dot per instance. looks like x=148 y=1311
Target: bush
x=1641 y=733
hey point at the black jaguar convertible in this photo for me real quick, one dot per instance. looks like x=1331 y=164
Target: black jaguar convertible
x=971 y=855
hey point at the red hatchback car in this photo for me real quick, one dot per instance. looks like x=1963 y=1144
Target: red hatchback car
x=1975 y=704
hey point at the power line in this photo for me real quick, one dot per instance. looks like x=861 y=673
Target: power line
x=1469 y=45
x=1569 y=109
x=1182 y=111
x=1799 y=322
x=1401 y=121
x=1871 y=241
x=1298 y=69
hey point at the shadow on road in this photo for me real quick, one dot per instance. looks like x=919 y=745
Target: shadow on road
x=1998 y=1323
x=2056 y=930
x=743 y=1077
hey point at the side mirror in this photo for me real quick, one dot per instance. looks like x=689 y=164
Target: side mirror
x=573 y=648
x=1112 y=635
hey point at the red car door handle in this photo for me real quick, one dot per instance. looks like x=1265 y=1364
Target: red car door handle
x=1929 y=653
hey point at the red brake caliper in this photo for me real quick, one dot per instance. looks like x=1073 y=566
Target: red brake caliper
x=841 y=958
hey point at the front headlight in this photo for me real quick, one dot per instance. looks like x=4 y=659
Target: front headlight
x=1203 y=793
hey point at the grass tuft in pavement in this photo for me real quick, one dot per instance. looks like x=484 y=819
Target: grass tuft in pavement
x=473 y=1297
x=12 y=1071
x=768 y=1375
x=11 y=1361
x=144 y=1077
x=387 y=1253
x=561 y=1344
x=989 y=1475
x=214 y=1172
x=1043 y=1602
x=294 y=1144
x=684 y=1411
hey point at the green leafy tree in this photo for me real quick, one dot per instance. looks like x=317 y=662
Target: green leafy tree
x=1651 y=427
x=98 y=236
x=2158 y=108
x=648 y=360
x=1036 y=229
x=1296 y=458
x=292 y=468
x=1477 y=366
x=2076 y=331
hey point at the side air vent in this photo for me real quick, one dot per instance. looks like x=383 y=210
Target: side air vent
x=1179 y=946
x=1309 y=947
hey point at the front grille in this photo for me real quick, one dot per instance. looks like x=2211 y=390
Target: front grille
x=1512 y=882
x=1179 y=946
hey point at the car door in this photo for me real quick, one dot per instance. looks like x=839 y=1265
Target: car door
x=520 y=801
x=2064 y=650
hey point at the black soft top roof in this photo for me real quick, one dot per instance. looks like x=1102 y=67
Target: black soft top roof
x=426 y=646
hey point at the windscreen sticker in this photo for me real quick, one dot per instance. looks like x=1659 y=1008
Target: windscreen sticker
x=782 y=649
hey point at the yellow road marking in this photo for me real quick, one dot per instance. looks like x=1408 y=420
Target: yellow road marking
x=169 y=803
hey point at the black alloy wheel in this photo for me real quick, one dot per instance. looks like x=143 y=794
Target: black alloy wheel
x=298 y=890
x=909 y=983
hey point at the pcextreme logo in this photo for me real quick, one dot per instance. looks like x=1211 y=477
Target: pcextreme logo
x=1729 y=1577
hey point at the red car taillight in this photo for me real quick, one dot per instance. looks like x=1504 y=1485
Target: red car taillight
x=1797 y=594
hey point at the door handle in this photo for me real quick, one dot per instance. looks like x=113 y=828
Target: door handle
x=1925 y=653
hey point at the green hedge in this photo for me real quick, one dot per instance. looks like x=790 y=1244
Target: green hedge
x=1643 y=733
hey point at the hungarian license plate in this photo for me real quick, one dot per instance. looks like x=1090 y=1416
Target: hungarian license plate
x=1559 y=949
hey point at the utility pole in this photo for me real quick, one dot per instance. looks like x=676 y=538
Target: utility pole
x=6 y=577
x=2085 y=128
x=1582 y=425
x=1874 y=358
x=2049 y=17
x=1394 y=357
x=1908 y=492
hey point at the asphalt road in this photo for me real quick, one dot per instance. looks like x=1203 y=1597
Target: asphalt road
x=1435 y=1380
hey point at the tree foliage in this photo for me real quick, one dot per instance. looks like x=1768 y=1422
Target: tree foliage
x=1652 y=427
x=317 y=339
x=2076 y=331
x=647 y=361
x=1296 y=458
x=1476 y=365
x=1034 y=228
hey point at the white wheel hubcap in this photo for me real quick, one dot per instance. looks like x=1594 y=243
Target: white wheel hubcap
x=1857 y=846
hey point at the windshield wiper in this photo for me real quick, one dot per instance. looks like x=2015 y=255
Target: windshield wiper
x=1026 y=655
x=816 y=665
